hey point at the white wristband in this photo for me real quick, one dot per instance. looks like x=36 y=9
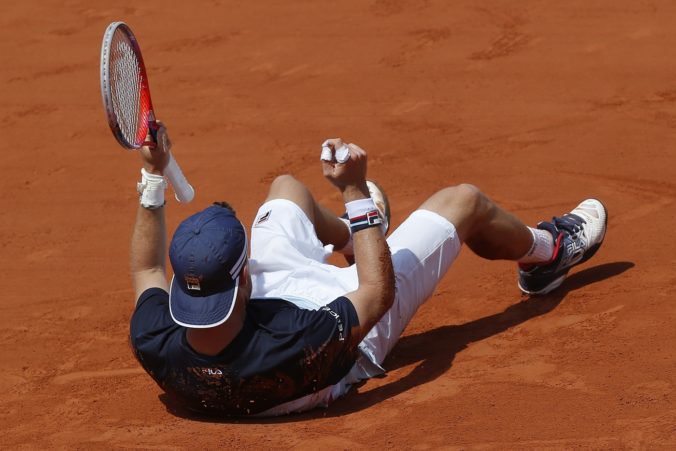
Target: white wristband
x=151 y=190
x=359 y=207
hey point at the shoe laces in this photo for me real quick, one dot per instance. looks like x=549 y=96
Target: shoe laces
x=570 y=223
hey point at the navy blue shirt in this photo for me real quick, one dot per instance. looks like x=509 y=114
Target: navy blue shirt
x=282 y=353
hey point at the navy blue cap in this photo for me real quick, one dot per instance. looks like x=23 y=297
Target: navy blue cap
x=208 y=252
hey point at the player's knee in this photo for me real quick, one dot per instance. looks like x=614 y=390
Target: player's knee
x=463 y=205
x=465 y=197
x=283 y=181
x=288 y=188
x=283 y=185
x=473 y=200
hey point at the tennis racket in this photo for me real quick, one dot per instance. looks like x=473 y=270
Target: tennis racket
x=126 y=99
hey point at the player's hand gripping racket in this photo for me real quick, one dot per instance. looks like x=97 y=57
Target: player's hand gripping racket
x=126 y=98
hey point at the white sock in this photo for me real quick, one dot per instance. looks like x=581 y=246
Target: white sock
x=542 y=249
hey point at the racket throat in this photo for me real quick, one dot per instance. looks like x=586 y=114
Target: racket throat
x=152 y=131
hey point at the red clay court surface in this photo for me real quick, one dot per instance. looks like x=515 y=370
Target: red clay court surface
x=541 y=104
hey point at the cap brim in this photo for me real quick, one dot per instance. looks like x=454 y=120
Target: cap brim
x=201 y=312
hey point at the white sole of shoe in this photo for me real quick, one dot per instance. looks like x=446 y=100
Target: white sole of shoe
x=549 y=288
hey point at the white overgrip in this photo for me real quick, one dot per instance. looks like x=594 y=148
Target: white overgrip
x=184 y=192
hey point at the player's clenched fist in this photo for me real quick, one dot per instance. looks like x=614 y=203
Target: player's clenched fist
x=155 y=158
x=344 y=165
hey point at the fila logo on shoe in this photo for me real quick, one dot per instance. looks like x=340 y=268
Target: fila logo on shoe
x=576 y=250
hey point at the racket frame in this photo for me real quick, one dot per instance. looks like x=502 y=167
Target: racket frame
x=107 y=95
x=183 y=190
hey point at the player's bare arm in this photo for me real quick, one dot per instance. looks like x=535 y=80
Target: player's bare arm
x=149 y=238
x=375 y=293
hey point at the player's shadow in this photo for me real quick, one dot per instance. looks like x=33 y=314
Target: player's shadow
x=435 y=350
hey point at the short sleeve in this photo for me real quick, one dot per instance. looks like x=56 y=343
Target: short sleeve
x=151 y=330
x=328 y=338
x=345 y=313
x=151 y=313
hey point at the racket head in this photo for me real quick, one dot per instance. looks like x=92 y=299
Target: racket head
x=124 y=87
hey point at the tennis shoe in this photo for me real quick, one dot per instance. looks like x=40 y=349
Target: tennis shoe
x=577 y=237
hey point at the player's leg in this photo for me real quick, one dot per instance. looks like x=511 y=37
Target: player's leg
x=426 y=244
x=487 y=229
x=329 y=228
x=423 y=248
x=545 y=254
x=288 y=239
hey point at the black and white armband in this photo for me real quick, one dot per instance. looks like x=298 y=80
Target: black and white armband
x=363 y=214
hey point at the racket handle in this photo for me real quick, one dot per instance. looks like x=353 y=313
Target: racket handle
x=184 y=192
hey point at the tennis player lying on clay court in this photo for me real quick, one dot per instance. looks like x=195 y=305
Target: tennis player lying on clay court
x=278 y=330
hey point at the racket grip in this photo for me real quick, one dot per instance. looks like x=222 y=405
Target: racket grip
x=182 y=189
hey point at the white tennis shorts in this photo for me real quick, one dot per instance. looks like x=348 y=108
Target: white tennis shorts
x=288 y=261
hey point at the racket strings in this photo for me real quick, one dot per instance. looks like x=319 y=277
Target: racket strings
x=130 y=100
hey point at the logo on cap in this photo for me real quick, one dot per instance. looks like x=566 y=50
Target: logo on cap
x=192 y=283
